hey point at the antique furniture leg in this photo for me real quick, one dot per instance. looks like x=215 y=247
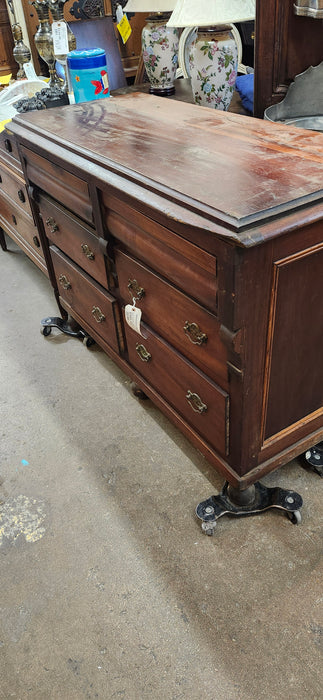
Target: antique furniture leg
x=252 y=500
x=314 y=458
x=66 y=327
x=3 y=240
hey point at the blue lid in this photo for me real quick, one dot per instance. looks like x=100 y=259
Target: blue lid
x=86 y=58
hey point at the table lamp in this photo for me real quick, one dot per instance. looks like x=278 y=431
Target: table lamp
x=213 y=56
x=159 y=44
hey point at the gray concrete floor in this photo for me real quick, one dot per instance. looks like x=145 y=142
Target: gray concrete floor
x=108 y=588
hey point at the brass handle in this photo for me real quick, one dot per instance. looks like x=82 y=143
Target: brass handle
x=196 y=402
x=135 y=290
x=8 y=146
x=64 y=282
x=98 y=315
x=87 y=251
x=194 y=333
x=52 y=223
x=36 y=241
x=143 y=353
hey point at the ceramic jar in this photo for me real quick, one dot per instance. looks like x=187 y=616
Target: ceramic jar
x=213 y=60
x=160 y=55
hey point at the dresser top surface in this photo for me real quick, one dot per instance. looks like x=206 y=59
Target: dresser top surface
x=236 y=170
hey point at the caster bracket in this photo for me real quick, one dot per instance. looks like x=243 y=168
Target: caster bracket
x=213 y=508
x=56 y=322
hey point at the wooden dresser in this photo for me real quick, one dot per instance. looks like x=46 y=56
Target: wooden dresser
x=212 y=225
x=16 y=218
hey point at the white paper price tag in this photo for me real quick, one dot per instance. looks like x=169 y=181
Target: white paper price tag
x=30 y=72
x=119 y=13
x=133 y=318
x=60 y=38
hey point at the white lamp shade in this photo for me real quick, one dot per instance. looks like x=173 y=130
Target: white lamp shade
x=205 y=13
x=151 y=6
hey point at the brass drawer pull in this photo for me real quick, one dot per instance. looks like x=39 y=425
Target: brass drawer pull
x=8 y=146
x=144 y=355
x=87 y=251
x=196 y=402
x=36 y=241
x=98 y=315
x=194 y=333
x=64 y=282
x=52 y=223
x=135 y=290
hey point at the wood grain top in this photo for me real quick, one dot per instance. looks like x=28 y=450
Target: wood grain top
x=238 y=171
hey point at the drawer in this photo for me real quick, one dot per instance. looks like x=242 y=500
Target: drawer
x=86 y=298
x=8 y=148
x=14 y=187
x=177 y=318
x=68 y=189
x=190 y=268
x=19 y=223
x=203 y=404
x=74 y=238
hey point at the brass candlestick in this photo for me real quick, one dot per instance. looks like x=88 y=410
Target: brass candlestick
x=21 y=52
x=44 y=41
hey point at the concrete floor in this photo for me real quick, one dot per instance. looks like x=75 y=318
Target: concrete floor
x=108 y=588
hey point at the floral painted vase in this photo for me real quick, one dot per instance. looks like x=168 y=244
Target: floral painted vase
x=213 y=60
x=160 y=55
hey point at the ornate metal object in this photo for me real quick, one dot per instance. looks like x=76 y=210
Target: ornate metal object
x=21 y=52
x=196 y=402
x=86 y=9
x=143 y=353
x=135 y=290
x=64 y=282
x=44 y=41
x=98 y=315
x=194 y=333
x=52 y=224
x=303 y=104
x=87 y=251
x=309 y=8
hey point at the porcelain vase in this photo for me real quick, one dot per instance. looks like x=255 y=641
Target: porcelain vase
x=213 y=61
x=160 y=55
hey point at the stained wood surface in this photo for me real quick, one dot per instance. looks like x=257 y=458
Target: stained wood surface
x=236 y=170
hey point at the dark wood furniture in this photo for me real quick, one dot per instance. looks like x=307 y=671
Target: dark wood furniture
x=15 y=213
x=285 y=45
x=212 y=222
x=7 y=61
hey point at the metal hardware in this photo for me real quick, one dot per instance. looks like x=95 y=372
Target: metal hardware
x=195 y=402
x=143 y=353
x=64 y=282
x=14 y=219
x=98 y=315
x=52 y=223
x=250 y=501
x=21 y=196
x=87 y=251
x=0 y=178
x=36 y=241
x=67 y=327
x=314 y=458
x=194 y=333
x=135 y=290
x=8 y=146
x=309 y=8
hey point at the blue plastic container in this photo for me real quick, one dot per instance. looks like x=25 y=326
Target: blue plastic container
x=88 y=75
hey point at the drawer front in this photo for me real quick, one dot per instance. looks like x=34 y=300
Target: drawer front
x=14 y=187
x=203 y=404
x=19 y=223
x=86 y=298
x=180 y=320
x=74 y=238
x=8 y=148
x=69 y=190
x=188 y=267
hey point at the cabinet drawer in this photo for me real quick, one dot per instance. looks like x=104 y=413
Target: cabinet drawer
x=14 y=187
x=177 y=318
x=8 y=148
x=19 y=223
x=86 y=298
x=69 y=190
x=74 y=238
x=203 y=404
x=188 y=267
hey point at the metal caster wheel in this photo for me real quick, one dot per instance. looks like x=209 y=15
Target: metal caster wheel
x=208 y=528
x=87 y=341
x=295 y=517
x=45 y=330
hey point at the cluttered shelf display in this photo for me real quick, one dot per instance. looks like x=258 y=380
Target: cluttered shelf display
x=131 y=223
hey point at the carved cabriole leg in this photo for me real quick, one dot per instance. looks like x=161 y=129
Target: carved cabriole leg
x=3 y=240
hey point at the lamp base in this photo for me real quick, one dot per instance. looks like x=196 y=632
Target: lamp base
x=160 y=54
x=213 y=59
